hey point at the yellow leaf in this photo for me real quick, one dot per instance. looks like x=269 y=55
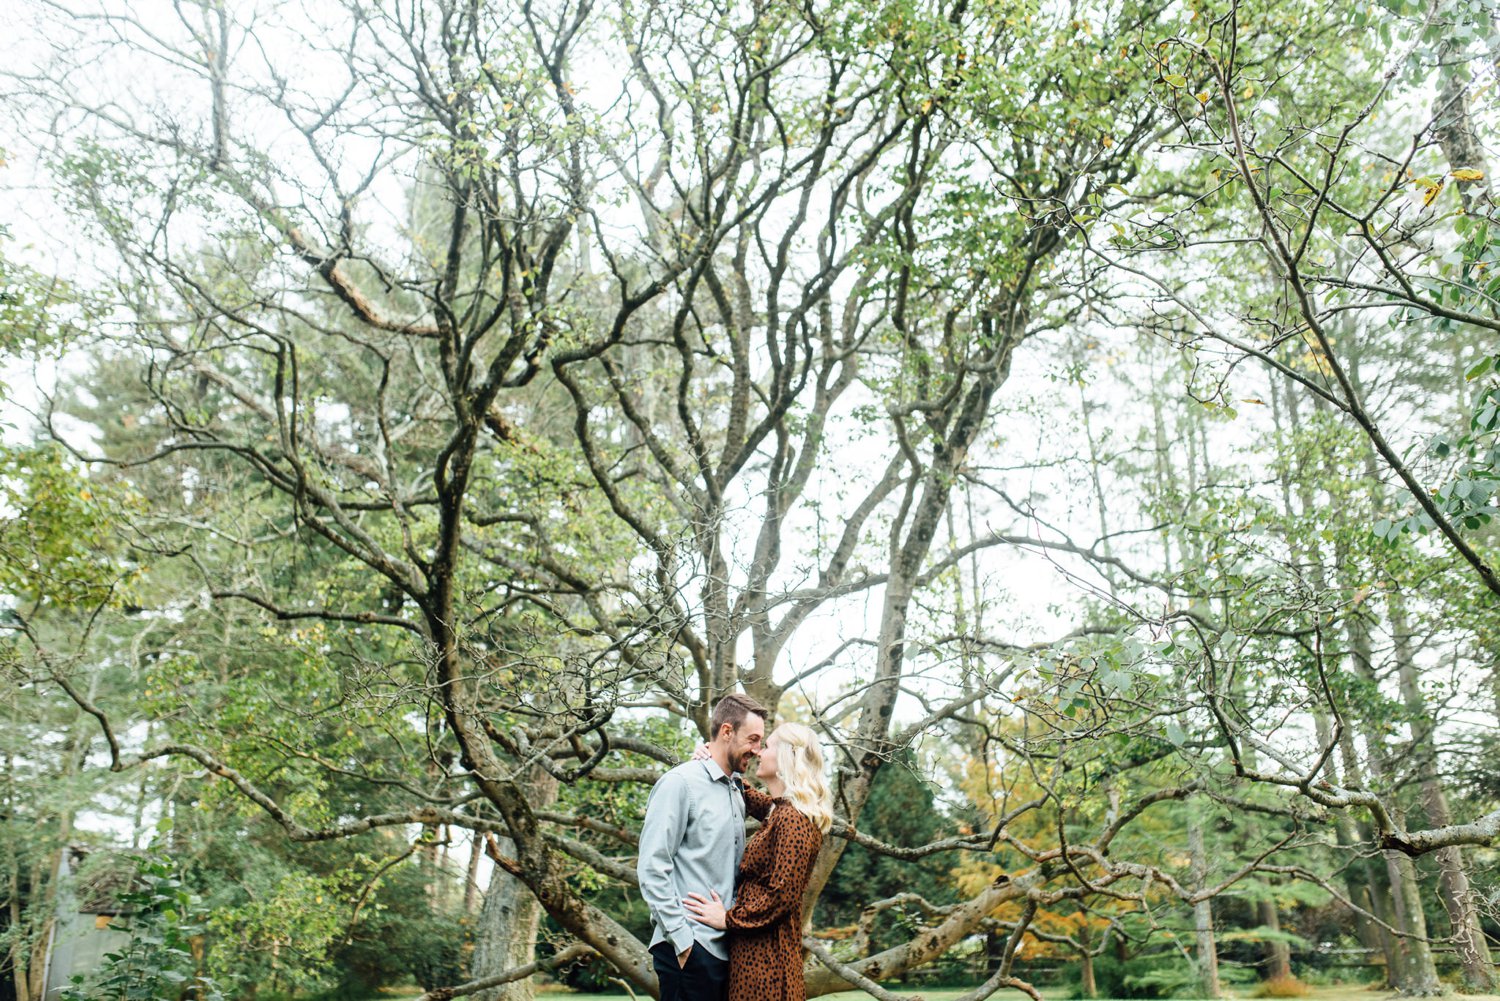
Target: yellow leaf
x=1108 y=142
x=1468 y=174
x=1203 y=97
x=1248 y=92
x=1431 y=195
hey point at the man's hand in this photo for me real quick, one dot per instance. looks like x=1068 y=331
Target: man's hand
x=682 y=958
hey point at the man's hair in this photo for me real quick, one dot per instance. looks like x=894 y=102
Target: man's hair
x=733 y=709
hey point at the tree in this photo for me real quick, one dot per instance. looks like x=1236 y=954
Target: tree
x=901 y=810
x=578 y=428
x=61 y=569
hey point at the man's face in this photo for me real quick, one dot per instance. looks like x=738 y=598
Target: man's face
x=745 y=742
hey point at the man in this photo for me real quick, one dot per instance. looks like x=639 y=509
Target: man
x=692 y=842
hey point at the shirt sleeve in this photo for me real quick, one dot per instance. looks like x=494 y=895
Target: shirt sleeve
x=761 y=901
x=757 y=803
x=661 y=835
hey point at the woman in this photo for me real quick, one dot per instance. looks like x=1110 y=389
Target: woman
x=765 y=923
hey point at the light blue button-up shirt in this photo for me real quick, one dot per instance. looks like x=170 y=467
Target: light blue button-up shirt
x=691 y=842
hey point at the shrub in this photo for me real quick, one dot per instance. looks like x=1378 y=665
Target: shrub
x=1150 y=976
x=161 y=917
x=436 y=950
x=1137 y=977
x=1281 y=987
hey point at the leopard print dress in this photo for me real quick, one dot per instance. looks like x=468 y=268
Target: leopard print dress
x=765 y=923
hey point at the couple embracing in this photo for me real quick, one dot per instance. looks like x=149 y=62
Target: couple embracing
x=727 y=919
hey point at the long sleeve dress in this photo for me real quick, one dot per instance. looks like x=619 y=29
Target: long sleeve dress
x=765 y=923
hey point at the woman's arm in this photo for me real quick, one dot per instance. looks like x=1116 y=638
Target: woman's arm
x=761 y=902
x=757 y=803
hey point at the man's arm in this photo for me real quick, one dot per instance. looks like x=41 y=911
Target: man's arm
x=661 y=836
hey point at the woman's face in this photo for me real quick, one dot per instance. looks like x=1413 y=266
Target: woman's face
x=767 y=769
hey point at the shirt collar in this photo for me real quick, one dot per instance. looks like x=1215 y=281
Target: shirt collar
x=715 y=772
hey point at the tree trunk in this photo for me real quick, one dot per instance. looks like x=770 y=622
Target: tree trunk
x=1277 y=964
x=1086 y=960
x=994 y=952
x=1474 y=961
x=506 y=935
x=1362 y=880
x=907 y=554
x=18 y=963
x=443 y=881
x=1203 y=915
x=17 y=951
x=1453 y=127
x=1416 y=973
x=471 y=876
x=508 y=922
x=138 y=816
x=1419 y=973
x=1381 y=897
x=1356 y=877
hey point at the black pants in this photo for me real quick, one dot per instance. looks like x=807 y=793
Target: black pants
x=705 y=977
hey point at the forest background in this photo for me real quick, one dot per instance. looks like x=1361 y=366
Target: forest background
x=1084 y=414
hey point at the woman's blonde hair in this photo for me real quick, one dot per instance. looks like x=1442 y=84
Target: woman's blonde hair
x=799 y=765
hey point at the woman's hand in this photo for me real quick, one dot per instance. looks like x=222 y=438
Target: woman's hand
x=700 y=753
x=709 y=910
